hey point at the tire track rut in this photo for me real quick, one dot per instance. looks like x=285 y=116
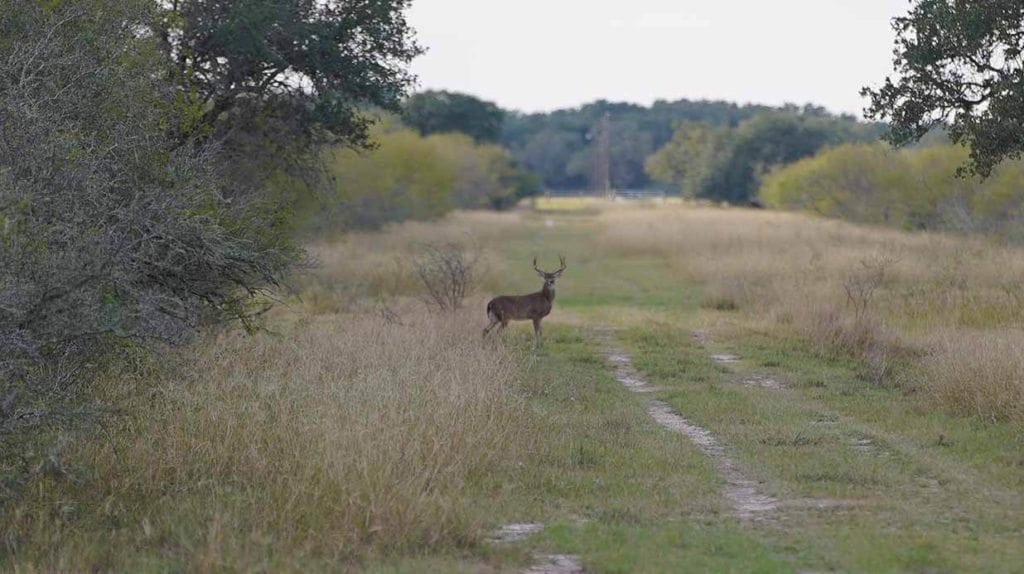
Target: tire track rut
x=746 y=499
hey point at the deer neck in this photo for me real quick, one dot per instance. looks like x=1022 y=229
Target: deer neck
x=548 y=292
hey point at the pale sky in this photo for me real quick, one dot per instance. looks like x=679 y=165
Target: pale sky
x=540 y=55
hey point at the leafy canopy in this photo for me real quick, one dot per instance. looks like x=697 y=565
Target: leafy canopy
x=961 y=62
x=727 y=164
x=442 y=112
x=310 y=63
x=113 y=232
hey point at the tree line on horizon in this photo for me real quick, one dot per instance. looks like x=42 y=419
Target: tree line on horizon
x=708 y=149
x=958 y=74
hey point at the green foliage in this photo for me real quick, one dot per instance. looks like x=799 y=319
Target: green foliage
x=408 y=176
x=274 y=82
x=115 y=231
x=727 y=164
x=959 y=62
x=688 y=161
x=486 y=174
x=296 y=64
x=910 y=189
x=434 y=112
x=404 y=178
x=557 y=146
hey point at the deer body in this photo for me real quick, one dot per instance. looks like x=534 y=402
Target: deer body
x=534 y=306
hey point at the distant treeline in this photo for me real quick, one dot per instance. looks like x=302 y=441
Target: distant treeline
x=709 y=149
x=559 y=146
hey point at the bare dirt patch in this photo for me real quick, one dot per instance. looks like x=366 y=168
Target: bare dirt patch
x=821 y=503
x=764 y=382
x=556 y=564
x=725 y=358
x=627 y=375
x=747 y=502
x=929 y=484
x=544 y=563
x=515 y=532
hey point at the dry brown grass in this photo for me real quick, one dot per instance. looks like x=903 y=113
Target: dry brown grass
x=361 y=423
x=341 y=436
x=379 y=265
x=978 y=374
x=818 y=277
x=366 y=425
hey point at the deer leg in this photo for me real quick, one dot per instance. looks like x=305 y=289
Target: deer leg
x=488 y=328
x=537 y=331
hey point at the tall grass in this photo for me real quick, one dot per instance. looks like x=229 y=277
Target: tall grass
x=364 y=424
x=360 y=267
x=820 y=278
x=978 y=374
x=342 y=436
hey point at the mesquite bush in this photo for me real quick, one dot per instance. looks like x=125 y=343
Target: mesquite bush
x=446 y=270
x=114 y=229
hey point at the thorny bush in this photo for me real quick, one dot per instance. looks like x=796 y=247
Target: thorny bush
x=112 y=232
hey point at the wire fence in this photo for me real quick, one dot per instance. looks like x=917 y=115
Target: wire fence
x=617 y=194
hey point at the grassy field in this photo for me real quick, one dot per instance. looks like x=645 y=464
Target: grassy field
x=365 y=432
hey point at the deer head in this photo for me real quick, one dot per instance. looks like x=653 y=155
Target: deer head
x=549 y=277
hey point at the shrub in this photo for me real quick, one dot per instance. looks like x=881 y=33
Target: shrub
x=910 y=189
x=447 y=273
x=111 y=231
x=409 y=176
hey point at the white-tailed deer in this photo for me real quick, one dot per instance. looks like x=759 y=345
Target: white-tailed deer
x=534 y=306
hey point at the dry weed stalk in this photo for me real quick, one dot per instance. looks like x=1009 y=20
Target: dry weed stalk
x=862 y=284
x=446 y=270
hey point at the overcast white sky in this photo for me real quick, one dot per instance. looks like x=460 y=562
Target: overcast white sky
x=539 y=55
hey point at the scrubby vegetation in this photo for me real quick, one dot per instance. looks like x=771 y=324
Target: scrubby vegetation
x=727 y=163
x=143 y=147
x=365 y=431
x=925 y=312
x=308 y=448
x=409 y=176
x=242 y=278
x=911 y=189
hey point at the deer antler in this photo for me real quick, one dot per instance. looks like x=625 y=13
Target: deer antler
x=542 y=272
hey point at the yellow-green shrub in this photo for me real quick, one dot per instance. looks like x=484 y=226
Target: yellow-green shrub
x=409 y=176
x=910 y=189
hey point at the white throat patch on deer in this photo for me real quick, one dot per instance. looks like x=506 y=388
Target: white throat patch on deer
x=533 y=307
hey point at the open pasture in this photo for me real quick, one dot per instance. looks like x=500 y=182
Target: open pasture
x=865 y=386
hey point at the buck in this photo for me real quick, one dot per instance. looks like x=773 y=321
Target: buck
x=534 y=306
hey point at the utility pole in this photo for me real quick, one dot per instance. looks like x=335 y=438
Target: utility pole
x=601 y=177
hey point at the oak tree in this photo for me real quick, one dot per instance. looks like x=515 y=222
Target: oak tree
x=961 y=63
